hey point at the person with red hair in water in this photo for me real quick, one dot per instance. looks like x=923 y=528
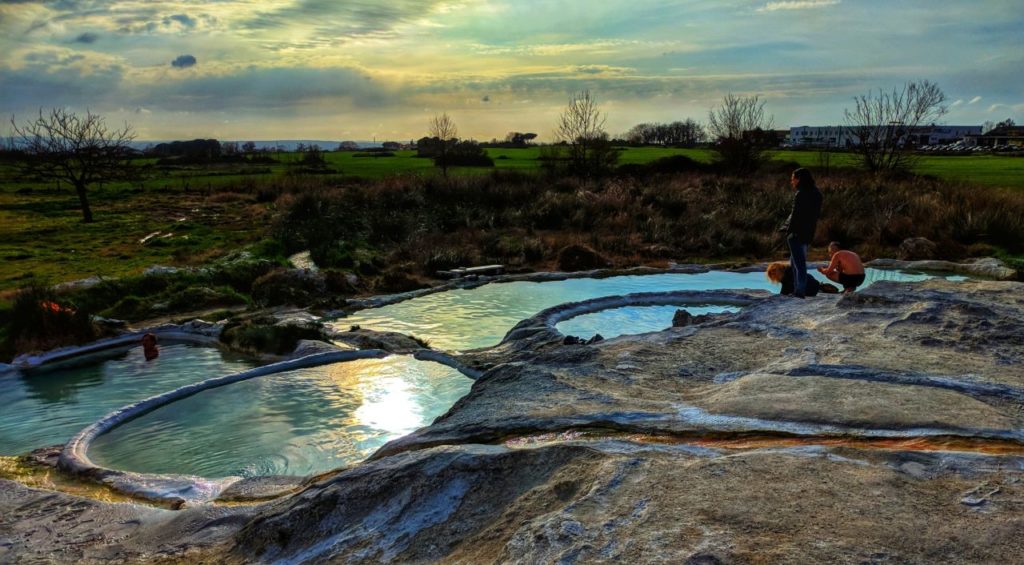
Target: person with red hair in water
x=149 y=348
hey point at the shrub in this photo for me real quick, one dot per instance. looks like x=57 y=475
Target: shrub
x=264 y=336
x=339 y=282
x=39 y=320
x=580 y=258
x=240 y=274
x=447 y=258
x=201 y=297
x=128 y=308
x=294 y=286
x=397 y=279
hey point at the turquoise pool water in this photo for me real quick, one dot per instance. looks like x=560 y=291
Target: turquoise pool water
x=296 y=423
x=458 y=320
x=313 y=420
x=47 y=407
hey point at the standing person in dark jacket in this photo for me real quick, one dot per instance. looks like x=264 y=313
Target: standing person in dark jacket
x=800 y=226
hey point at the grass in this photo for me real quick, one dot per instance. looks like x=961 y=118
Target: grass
x=43 y=237
x=991 y=170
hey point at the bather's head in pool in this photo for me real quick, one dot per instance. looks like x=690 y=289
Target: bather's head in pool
x=149 y=348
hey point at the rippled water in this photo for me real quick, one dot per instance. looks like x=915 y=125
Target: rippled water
x=296 y=423
x=47 y=407
x=465 y=319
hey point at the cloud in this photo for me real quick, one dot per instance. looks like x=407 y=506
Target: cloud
x=602 y=70
x=183 y=62
x=267 y=89
x=87 y=37
x=59 y=80
x=958 y=102
x=975 y=100
x=329 y=21
x=796 y=5
x=182 y=19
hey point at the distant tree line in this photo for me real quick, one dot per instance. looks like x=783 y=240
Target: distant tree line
x=686 y=133
x=82 y=151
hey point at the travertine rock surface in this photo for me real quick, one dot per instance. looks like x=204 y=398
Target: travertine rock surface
x=879 y=427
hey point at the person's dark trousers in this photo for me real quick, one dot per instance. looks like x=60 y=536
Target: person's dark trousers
x=798 y=260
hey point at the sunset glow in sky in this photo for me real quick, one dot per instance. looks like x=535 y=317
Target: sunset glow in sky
x=358 y=69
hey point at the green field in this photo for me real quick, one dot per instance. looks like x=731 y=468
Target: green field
x=989 y=170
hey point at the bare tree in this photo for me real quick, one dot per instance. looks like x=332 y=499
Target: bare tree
x=581 y=126
x=443 y=129
x=81 y=150
x=739 y=125
x=879 y=123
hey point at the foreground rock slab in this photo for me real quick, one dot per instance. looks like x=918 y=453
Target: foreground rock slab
x=879 y=427
x=629 y=502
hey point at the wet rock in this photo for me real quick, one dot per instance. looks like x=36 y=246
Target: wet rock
x=109 y=325
x=917 y=248
x=260 y=488
x=202 y=327
x=988 y=267
x=311 y=347
x=45 y=456
x=40 y=526
x=574 y=340
x=683 y=318
x=88 y=282
x=392 y=342
x=160 y=270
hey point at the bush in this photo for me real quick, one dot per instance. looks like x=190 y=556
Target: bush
x=263 y=336
x=338 y=282
x=39 y=320
x=291 y=286
x=580 y=258
x=202 y=297
x=447 y=258
x=397 y=279
x=128 y=308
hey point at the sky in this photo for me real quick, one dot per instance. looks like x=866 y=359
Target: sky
x=365 y=69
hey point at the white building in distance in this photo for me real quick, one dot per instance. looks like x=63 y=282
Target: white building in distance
x=842 y=136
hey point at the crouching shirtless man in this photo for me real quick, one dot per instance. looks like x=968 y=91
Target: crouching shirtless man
x=845 y=267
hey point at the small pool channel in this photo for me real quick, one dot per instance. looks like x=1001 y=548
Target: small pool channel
x=631 y=320
x=45 y=407
x=463 y=319
x=295 y=423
